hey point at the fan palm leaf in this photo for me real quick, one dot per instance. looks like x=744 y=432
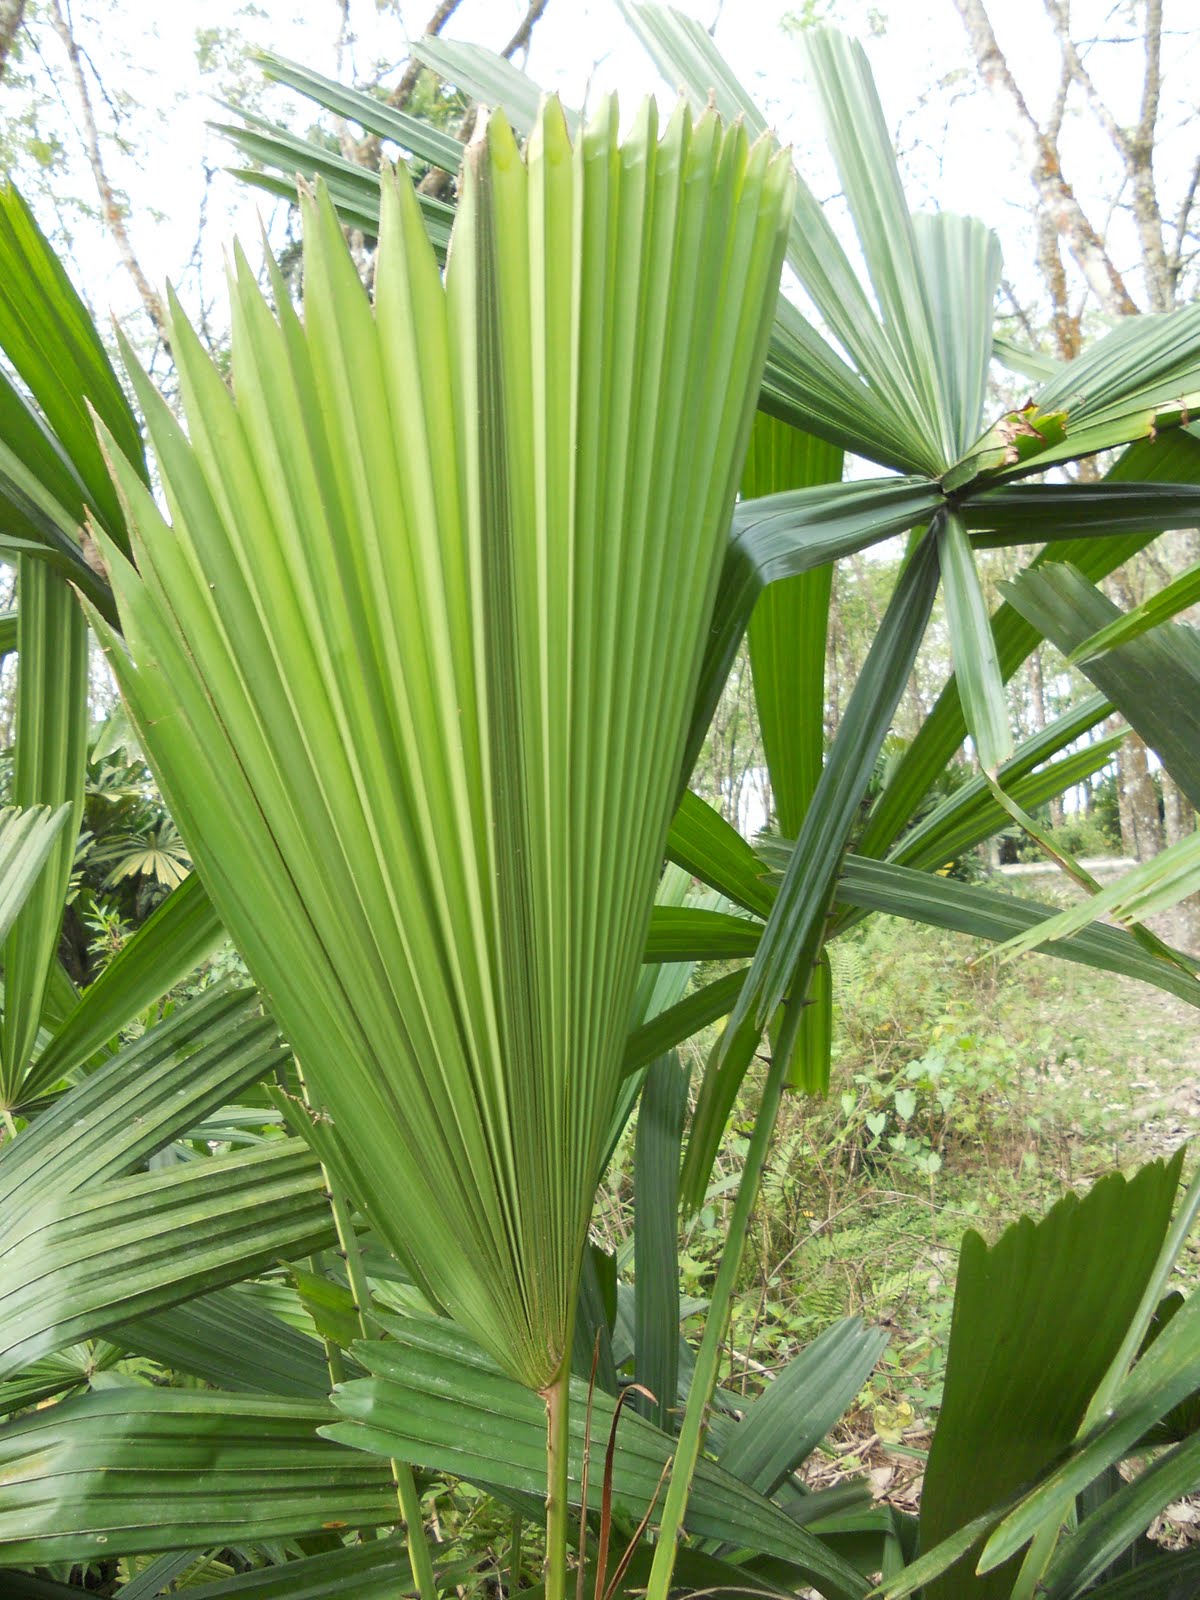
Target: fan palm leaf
x=415 y=656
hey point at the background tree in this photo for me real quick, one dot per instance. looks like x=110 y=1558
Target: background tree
x=11 y=13
x=1135 y=253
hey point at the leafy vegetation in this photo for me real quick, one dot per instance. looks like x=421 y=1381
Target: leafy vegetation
x=421 y=623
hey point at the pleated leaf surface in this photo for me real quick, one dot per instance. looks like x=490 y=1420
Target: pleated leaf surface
x=134 y=1470
x=415 y=657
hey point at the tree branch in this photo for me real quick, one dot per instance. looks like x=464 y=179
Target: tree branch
x=1059 y=108
x=407 y=82
x=111 y=210
x=1152 y=80
x=520 y=39
x=1136 y=149
x=1056 y=197
x=1146 y=213
x=436 y=182
x=1067 y=335
x=368 y=152
x=1060 y=18
x=1019 y=312
x=1182 y=222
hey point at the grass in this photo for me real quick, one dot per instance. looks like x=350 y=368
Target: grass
x=963 y=1094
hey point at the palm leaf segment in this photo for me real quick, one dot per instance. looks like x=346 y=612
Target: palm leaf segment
x=415 y=658
x=898 y=376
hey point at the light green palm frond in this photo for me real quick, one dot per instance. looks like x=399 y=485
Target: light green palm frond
x=414 y=660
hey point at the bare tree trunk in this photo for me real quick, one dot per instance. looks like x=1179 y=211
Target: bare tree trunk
x=1186 y=930
x=1178 y=817
x=112 y=210
x=1180 y=820
x=1183 y=218
x=1037 y=707
x=1141 y=827
x=1137 y=792
x=1037 y=691
x=1139 y=160
x=1125 y=822
x=1039 y=147
x=833 y=691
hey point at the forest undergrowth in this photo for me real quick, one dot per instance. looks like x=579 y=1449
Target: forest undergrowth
x=963 y=1095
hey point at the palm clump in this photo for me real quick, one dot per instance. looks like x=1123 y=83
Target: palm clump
x=414 y=657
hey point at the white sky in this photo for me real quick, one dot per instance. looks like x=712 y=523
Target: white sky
x=957 y=151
